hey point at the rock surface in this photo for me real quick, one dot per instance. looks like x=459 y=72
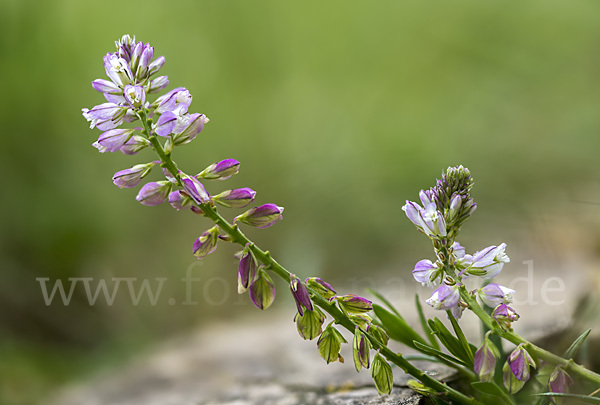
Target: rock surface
x=259 y=361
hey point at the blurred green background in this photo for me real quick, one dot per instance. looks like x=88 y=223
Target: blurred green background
x=338 y=111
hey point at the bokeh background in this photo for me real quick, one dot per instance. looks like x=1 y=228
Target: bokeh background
x=338 y=111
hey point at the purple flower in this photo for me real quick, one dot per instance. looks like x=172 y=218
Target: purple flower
x=494 y=294
x=360 y=350
x=322 y=288
x=485 y=360
x=238 y=198
x=559 y=380
x=195 y=189
x=310 y=323
x=504 y=315
x=488 y=262
x=300 y=294
x=262 y=290
x=246 y=270
x=154 y=193
x=179 y=200
x=206 y=243
x=133 y=176
x=516 y=370
x=444 y=297
x=221 y=170
x=112 y=140
x=165 y=124
x=458 y=250
x=191 y=126
x=158 y=84
x=156 y=65
x=135 y=144
x=105 y=116
x=117 y=69
x=427 y=273
x=174 y=98
x=354 y=304
x=428 y=219
x=135 y=96
x=261 y=217
x=125 y=46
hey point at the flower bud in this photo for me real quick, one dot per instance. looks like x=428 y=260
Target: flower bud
x=300 y=294
x=135 y=96
x=485 y=360
x=320 y=287
x=154 y=193
x=353 y=304
x=262 y=290
x=494 y=294
x=136 y=52
x=158 y=84
x=206 y=243
x=246 y=270
x=378 y=333
x=166 y=124
x=135 y=144
x=362 y=320
x=455 y=205
x=179 y=200
x=560 y=381
x=504 y=315
x=221 y=170
x=330 y=344
x=427 y=273
x=238 y=198
x=146 y=56
x=516 y=369
x=133 y=176
x=112 y=140
x=156 y=65
x=195 y=189
x=360 y=350
x=309 y=323
x=444 y=297
x=261 y=217
x=195 y=124
x=382 y=375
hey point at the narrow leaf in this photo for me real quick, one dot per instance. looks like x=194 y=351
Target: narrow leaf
x=450 y=342
x=488 y=388
x=426 y=329
x=461 y=337
x=386 y=302
x=574 y=348
x=430 y=350
x=396 y=327
x=582 y=398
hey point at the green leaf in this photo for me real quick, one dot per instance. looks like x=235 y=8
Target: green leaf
x=461 y=337
x=382 y=375
x=451 y=343
x=430 y=350
x=426 y=329
x=574 y=348
x=488 y=388
x=396 y=327
x=582 y=398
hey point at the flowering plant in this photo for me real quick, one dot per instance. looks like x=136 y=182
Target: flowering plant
x=166 y=123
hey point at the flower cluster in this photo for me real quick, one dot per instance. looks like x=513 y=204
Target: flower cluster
x=166 y=123
x=445 y=207
x=131 y=69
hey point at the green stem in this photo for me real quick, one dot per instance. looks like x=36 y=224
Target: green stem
x=535 y=351
x=238 y=237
